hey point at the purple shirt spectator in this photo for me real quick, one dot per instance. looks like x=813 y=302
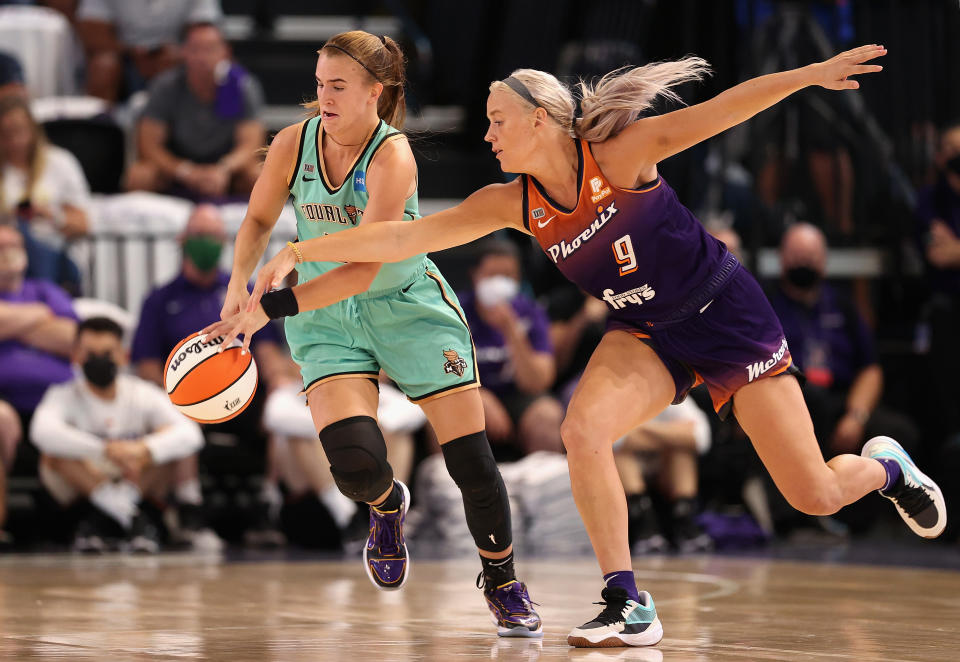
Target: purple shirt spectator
x=829 y=341
x=175 y=310
x=942 y=202
x=27 y=372
x=493 y=359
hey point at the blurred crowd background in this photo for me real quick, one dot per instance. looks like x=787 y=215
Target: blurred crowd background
x=129 y=142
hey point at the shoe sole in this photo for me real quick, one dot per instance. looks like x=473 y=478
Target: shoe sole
x=938 y=500
x=519 y=632
x=406 y=553
x=649 y=637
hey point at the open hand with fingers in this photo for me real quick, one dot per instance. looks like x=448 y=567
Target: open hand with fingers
x=242 y=323
x=834 y=74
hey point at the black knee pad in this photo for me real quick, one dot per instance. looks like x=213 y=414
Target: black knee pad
x=472 y=467
x=358 y=457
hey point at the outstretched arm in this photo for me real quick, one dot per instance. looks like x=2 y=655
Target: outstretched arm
x=659 y=137
x=491 y=208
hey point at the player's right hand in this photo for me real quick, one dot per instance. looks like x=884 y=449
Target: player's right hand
x=235 y=300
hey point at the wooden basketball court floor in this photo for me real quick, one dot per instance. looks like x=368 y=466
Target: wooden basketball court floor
x=174 y=607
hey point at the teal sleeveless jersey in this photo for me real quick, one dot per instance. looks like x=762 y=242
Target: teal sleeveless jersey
x=323 y=209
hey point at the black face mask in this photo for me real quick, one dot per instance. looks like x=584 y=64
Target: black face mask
x=953 y=165
x=803 y=277
x=100 y=370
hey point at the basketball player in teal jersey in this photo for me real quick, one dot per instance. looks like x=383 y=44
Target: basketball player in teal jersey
x=345 y=166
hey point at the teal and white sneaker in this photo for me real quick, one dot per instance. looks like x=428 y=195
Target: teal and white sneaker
x=917 y=498
x=622 y=622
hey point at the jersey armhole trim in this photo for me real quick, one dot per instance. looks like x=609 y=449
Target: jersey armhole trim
x=526 y=203
x=295 y=166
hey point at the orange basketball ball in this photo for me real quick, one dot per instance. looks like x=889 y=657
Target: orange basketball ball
x=207 y=385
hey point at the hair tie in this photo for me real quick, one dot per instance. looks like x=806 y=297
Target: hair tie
x=383 y=39
x=356 y=59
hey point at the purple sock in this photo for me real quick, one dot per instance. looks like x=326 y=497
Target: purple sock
x=892 y=467
x=623 y=579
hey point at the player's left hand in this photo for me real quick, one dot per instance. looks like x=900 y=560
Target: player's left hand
x=272 y=275
x=834 y=74
x=243 y=323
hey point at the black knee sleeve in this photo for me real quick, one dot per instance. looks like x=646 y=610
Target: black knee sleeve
x=472 y=467
x=358 y=457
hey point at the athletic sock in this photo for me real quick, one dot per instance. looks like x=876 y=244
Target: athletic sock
x=623 y=579
x=392 y=502
x=497 y=572
x=894 y=475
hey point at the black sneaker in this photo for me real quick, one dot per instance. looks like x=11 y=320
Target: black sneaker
x=193 y=529
x=265 y=532
x=688 y=537
x=143 y=537
x=646 y=536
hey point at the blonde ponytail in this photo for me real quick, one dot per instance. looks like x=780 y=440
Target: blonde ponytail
x=620 y=96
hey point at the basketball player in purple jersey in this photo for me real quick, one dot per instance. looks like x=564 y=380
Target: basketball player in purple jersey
x=682 y=309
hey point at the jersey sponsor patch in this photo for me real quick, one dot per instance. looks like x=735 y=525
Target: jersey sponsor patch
x=360 y=181
x=637 y=295
x=537 y=213
x=598 y=190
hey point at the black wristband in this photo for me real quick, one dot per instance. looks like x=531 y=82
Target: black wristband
x=280 y=303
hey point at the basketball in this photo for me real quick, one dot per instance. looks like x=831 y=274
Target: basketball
x=207 y=385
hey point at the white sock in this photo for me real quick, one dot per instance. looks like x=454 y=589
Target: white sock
x=118 y=500
x=188 y=493
x=340 y=507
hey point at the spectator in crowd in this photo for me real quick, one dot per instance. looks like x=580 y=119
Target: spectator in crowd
x=514 y=355
x=11 y=77
x=938 y=229
x=112 y=438
x=834 y=348
x=577 y=323
x=183 y=306
x=10 y=434
x=37 y=324
x=199 y=135
x=671 y=443
x=129 y=42
x=43 y=190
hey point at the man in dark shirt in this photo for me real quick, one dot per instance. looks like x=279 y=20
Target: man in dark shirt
x=835 y=349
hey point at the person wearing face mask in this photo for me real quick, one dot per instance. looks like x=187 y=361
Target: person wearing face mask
x=514 y=354
x=834 y=347
x=179 y=308
x=37 y=324
x=199 y=135
x=938 y=234
x=111 y=438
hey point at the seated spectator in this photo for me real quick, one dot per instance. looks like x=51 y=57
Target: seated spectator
x=129 y=42
x=11 y=77
x=44 y=191
x=184 y=306
x=835 y=349
x=37 y=325
x=513 y=353
x=10 y=434
x=577 y=324
x=938 y=230
x=671 y=443
x=110 y=438
x=199 y=135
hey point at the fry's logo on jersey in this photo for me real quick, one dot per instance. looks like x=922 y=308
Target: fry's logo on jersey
x=454 y=364
x=324 y=213
x=637 y=295
x=563 y=250
x=757 y=369
x=599 y=191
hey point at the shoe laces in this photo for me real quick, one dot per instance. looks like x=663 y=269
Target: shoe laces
x=385 y=533
x=612 y=611
x=912 y=499
x=513 y=595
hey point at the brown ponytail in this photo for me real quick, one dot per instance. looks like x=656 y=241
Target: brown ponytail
x=383 y=61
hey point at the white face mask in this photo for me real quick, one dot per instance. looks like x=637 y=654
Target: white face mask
x=496 y=289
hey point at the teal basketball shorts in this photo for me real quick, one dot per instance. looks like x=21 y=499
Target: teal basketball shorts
x=416 y=332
